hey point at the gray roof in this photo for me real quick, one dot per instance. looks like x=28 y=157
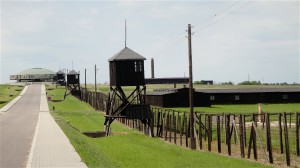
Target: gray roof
x=250 y=90
x=126 y=54
x=73 y=73
x=36 y=71
x=158 y=92
x=60 y=72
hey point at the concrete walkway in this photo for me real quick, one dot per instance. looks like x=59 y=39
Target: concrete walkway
x=51 y=147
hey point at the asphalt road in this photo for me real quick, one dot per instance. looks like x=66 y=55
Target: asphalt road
x=17 y=128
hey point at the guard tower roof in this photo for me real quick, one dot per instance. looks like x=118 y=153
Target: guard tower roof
x=73 y=73
x=60 y=72
x=126 y=54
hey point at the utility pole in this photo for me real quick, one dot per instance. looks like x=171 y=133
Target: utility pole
x=95 y=79
x=191 y=89
x=85 y=79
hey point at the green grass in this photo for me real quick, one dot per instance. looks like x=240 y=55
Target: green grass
x=126 y=147
x=245 y=108
x=8 y=93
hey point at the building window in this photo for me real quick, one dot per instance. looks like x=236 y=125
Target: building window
x=138 y=66
x=212 y=98
x=237 y=97
x=285 y=97
x=76 y=76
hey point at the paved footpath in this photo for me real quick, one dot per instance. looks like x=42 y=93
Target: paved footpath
x=46 y=145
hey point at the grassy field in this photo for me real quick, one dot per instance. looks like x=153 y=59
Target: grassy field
x=8 y=93
x=126 y=147
x=246 y=108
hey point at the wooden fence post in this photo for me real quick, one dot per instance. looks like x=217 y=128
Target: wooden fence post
x=218 y=134
x=181 y=129
x=166 y=125
x=175 y=129
x=205 y=126
x=187 y=132
x=170 y=126
x=209 y=138
x=297 y=134
x=280 y=133
x=228 y=134
x=286 y=138
x=241 y=136
x=200 y=131
x=269 y=140
x=254 y=121
x=244 y=130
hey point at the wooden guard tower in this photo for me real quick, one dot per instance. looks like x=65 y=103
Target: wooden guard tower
x=127 y=69
x=73 y=83
x=61 y=78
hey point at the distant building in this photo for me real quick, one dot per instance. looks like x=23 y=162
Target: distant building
x=208 y=97
x=252 y=95
x=34 y=75
x=176 y=80
x=176 y=98
x=206 y=82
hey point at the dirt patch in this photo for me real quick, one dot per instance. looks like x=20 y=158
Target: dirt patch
x=97 y=134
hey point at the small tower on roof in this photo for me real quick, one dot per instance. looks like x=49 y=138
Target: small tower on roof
x=126 y=68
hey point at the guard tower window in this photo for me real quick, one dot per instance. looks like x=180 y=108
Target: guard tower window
x=138 y=66
x=284 y=96
x=237 y=97
x=76 y=76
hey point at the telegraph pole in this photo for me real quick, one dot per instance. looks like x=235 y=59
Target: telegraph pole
x=95 y=79
x=85 y=79
x=191 y=89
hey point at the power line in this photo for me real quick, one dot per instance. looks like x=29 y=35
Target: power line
x=221 y=15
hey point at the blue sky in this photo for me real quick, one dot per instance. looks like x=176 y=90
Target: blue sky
x=231 y=38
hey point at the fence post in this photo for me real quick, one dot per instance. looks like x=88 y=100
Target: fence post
x=209 y=138
x=269 y=140
x=175 y=129
x=186 y=132
x=241 y=136
x=181 y=129
x=200 y=131
x=170 y=126
x=218 y=134
x=286 y=138
x=244 y=130
x=228 y=134
x=280 y=133
x=254 y=121
x=166 y=125
x=297 y=134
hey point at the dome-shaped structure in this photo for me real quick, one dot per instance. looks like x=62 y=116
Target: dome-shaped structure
x=34 y=75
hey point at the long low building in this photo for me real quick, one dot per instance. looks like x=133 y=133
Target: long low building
x=176 y=98
x=207 y=97
x=253 y=95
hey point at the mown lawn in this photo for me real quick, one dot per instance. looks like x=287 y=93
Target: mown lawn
x=246 y=108
x=8 y=93
x=126 y=147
